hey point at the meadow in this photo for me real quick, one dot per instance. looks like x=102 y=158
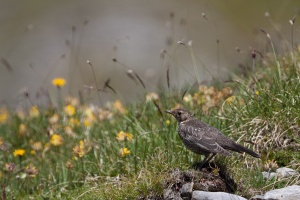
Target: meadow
x=79 y=151
x=72 y=149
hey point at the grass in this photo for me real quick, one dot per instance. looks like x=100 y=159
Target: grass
x=76 y=151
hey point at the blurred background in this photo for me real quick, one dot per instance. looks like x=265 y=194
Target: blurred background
x=190 y=40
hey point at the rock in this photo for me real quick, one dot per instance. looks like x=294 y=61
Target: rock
x=282 y=172
x=287 y=193
x=269 y=175
x=285 y=172
x=201 y=195
x=186 y=191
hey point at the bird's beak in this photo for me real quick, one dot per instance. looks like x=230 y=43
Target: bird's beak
x=169 y=112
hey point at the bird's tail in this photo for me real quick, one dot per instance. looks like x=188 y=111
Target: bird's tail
x=246 y=150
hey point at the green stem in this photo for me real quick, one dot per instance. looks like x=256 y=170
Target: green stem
x=59 y=98
x=275 y=56
x=82 y=167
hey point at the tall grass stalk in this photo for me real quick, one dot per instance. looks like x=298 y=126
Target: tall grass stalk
x=194 y=64
x=95 y=80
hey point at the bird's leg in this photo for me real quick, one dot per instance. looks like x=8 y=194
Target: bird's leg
x=206 y=160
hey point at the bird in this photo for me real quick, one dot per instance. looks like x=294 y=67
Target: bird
x=202 y=138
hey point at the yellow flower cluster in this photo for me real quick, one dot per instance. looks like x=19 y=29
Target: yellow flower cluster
x=81 y=149
x=70 y=110
x=124 y=152
x=89 y=117
x=58 y=82
x=56 y=140
x=19 y=152
x=122 y=136
x=230 y=100
x=208 y=97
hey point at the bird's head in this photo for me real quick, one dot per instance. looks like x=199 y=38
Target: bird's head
x=180 y=114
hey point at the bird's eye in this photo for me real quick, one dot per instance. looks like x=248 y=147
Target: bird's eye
x=179 y=112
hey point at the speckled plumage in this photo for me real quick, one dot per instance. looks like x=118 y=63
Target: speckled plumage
x=204 y=139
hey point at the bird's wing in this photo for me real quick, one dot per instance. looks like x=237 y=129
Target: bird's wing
x=199 y=134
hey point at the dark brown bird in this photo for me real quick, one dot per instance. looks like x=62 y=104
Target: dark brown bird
x=204 y=139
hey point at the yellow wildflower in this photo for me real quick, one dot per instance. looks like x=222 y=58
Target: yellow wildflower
x=32 y=152
x=56 y=140
x=70 y=110
x=86 y=122
x=81 y=149
x=230 y=100
x=257 y=92
x=124 y=152
x=129 y=136
x=34 y=112
x=78 y=150
x=22 y=129
x=118 y=106
x=168 y=122
x=122 y=136
x=58 y=82
x=31 y=171
x=19 y=152
x=3 y=115
x=89 y=117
